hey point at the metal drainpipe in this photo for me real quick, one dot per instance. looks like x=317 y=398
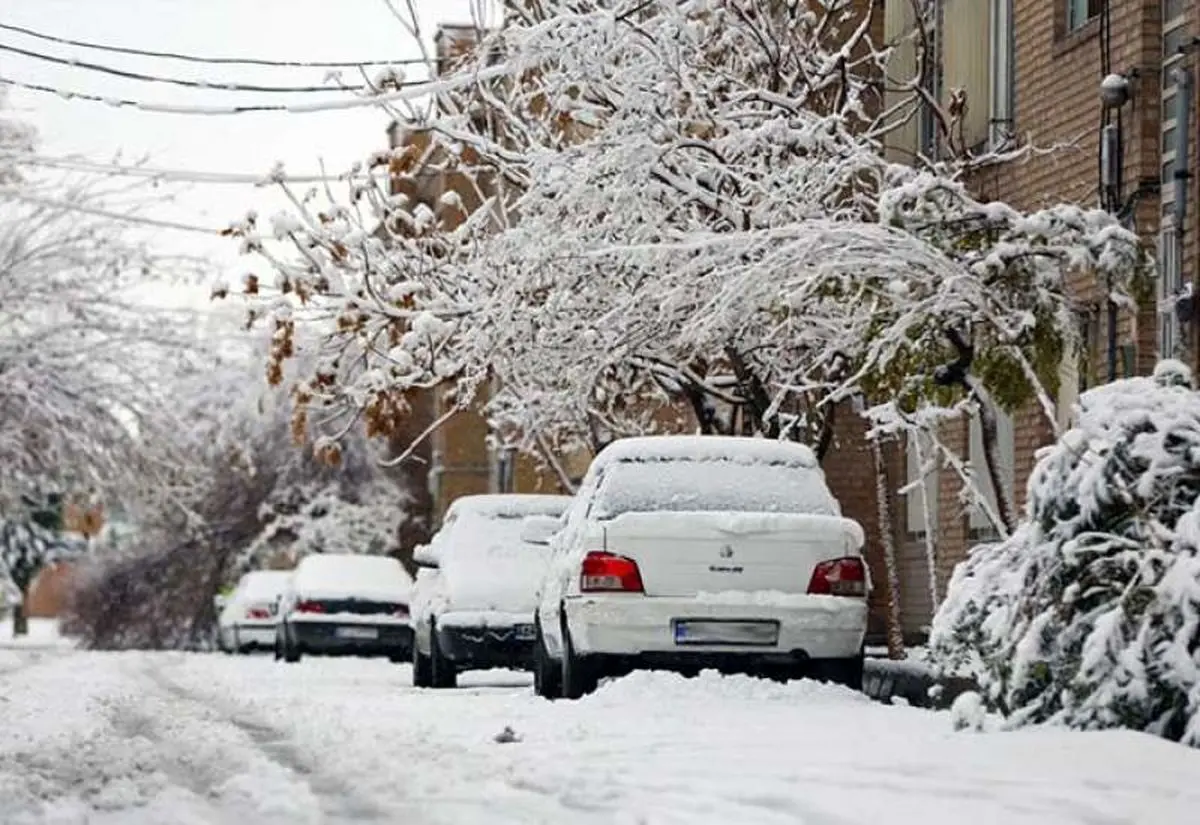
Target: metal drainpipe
x=1185 y=89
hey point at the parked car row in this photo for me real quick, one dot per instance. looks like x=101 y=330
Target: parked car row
x=676 y=552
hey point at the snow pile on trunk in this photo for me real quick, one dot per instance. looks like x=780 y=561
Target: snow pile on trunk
x=1089 y=615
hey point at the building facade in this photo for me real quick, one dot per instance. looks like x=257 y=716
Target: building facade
x=1038 y=82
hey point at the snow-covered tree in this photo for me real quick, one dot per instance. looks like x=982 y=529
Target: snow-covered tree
x=262 y=489
x=1088 y=616
x=651 y=202
x=25 y=549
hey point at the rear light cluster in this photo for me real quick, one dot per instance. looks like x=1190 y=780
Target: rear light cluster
x=607 y=573
x=309 y=607
x=400 y=611
x=839 y=577
x=258 y=613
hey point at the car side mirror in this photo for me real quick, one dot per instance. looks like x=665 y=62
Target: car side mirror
x=424 y=556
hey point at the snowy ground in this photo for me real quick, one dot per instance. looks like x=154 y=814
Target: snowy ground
x=141 y=738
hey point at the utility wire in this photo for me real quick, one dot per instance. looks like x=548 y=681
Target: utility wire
x=237 y=61
x=105 y=213
x=191 y=84
x=415 y=90
x=76 y=164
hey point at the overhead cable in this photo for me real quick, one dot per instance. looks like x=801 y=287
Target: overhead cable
x=415 y=90
x=191 y=84
x=105 y=213
x=237 y=61
x=77 y=164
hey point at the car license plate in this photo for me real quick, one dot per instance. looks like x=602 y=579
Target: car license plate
x=726 y=632
x=357 y=632
x=525 y=631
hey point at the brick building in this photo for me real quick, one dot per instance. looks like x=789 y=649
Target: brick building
x=1038 y=78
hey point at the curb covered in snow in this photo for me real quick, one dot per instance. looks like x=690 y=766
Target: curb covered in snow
x=886 y=679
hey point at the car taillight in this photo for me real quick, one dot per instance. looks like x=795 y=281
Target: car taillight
x=309 y=607
x=400 y=611
x=607 y=573
x=258 y=613
x=839 y=577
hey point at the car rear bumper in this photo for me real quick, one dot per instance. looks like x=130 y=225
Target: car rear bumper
x=814 y=627
x=254 y=635
x=333 y=638
x=486 y=647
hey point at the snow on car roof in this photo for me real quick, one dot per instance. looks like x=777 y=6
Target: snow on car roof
x=739 y=449
x=510 y=505
x=346 y=574
x=263 y=583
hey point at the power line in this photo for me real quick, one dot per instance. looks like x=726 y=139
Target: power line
x=192 y=84
x=177 y=175
x=240 y=61
x=415 y=90
x=105 y=213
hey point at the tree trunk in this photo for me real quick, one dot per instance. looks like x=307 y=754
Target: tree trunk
x=895 y=628
x=20 y=620
x=990 y=433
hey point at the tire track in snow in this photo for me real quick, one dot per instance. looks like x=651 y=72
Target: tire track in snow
x=338 y=801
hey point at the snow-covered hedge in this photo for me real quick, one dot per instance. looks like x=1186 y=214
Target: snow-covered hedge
x=1089 y=615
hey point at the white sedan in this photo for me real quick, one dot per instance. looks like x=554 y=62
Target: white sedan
x=246 y=618
x=691 y=552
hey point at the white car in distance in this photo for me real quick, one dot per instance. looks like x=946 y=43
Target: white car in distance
x=690 y=552
x=339 y=604
x=246 y=617
x=473 y=600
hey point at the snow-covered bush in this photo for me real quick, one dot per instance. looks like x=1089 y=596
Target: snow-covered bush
x=1088 y=616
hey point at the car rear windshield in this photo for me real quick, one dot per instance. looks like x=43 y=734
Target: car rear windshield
x=712 y=485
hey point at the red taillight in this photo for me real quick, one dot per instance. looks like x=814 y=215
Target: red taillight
x=309 y=607
x=839 y=577
x=258 y=613
x=400 y=611
x=606 y=573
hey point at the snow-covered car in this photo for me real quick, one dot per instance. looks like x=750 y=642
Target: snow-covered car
x=345 y=604
x=246 y=617
x=473 y=600
x=691 y=552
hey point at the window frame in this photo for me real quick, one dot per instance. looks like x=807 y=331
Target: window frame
x=1081 y=12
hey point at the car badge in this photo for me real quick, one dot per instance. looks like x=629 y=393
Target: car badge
x=726 y=552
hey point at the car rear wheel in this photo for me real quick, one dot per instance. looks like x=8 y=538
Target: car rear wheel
x=579 y=677
x=442 y=669
x=547 y=673
x=422 y=668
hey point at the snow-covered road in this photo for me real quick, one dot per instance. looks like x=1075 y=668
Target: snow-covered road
x=140 y=738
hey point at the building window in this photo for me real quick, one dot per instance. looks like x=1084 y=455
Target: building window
x=1170 y=285
x=1003 y=73
x=1079 y=12
x=922 y=476
x=932 y=83
x=982 y=526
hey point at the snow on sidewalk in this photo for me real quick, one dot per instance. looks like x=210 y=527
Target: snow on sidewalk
x=133 y=738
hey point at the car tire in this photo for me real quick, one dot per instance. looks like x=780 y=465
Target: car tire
x=579 y=677
x=291 y=650
x=422 y=668
x=442 y=672
x=278 y=647
x=547 y=673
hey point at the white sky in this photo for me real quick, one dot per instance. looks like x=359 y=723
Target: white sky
x=267 y=29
